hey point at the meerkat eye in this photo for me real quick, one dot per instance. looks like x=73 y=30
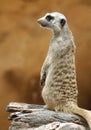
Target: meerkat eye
x=62 y=22
x=49 y=18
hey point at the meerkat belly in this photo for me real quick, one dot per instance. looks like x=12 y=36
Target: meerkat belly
x=60 y=86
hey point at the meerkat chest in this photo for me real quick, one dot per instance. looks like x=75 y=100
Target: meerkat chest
x=57 y=49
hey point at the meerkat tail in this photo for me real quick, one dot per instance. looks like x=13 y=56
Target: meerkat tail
x=86 y=114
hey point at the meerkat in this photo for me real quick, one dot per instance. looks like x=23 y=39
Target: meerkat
x=58 y=73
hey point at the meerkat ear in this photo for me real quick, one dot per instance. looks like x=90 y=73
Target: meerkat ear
x=62 y=22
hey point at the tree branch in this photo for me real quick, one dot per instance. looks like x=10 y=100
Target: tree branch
x=36 y=117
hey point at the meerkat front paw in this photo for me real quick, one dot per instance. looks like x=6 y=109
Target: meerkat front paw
x=43 y=78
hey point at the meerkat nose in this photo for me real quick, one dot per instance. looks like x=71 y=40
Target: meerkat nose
x=42 y=22
x=39 y=21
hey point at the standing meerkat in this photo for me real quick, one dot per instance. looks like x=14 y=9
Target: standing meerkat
x=58 y=73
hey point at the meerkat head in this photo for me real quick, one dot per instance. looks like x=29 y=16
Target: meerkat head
x=55 y=21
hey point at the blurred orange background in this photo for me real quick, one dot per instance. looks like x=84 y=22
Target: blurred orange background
x=23 y=47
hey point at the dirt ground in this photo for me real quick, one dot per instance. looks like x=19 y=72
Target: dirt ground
x=23 y=47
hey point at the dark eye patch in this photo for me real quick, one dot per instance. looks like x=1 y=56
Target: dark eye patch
x=49 y=17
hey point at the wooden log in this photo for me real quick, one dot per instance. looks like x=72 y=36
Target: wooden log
x=37 y=117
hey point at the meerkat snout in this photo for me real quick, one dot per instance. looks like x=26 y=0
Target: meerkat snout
x=42 y=22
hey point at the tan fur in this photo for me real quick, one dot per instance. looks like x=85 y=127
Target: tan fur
x=58 y=73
